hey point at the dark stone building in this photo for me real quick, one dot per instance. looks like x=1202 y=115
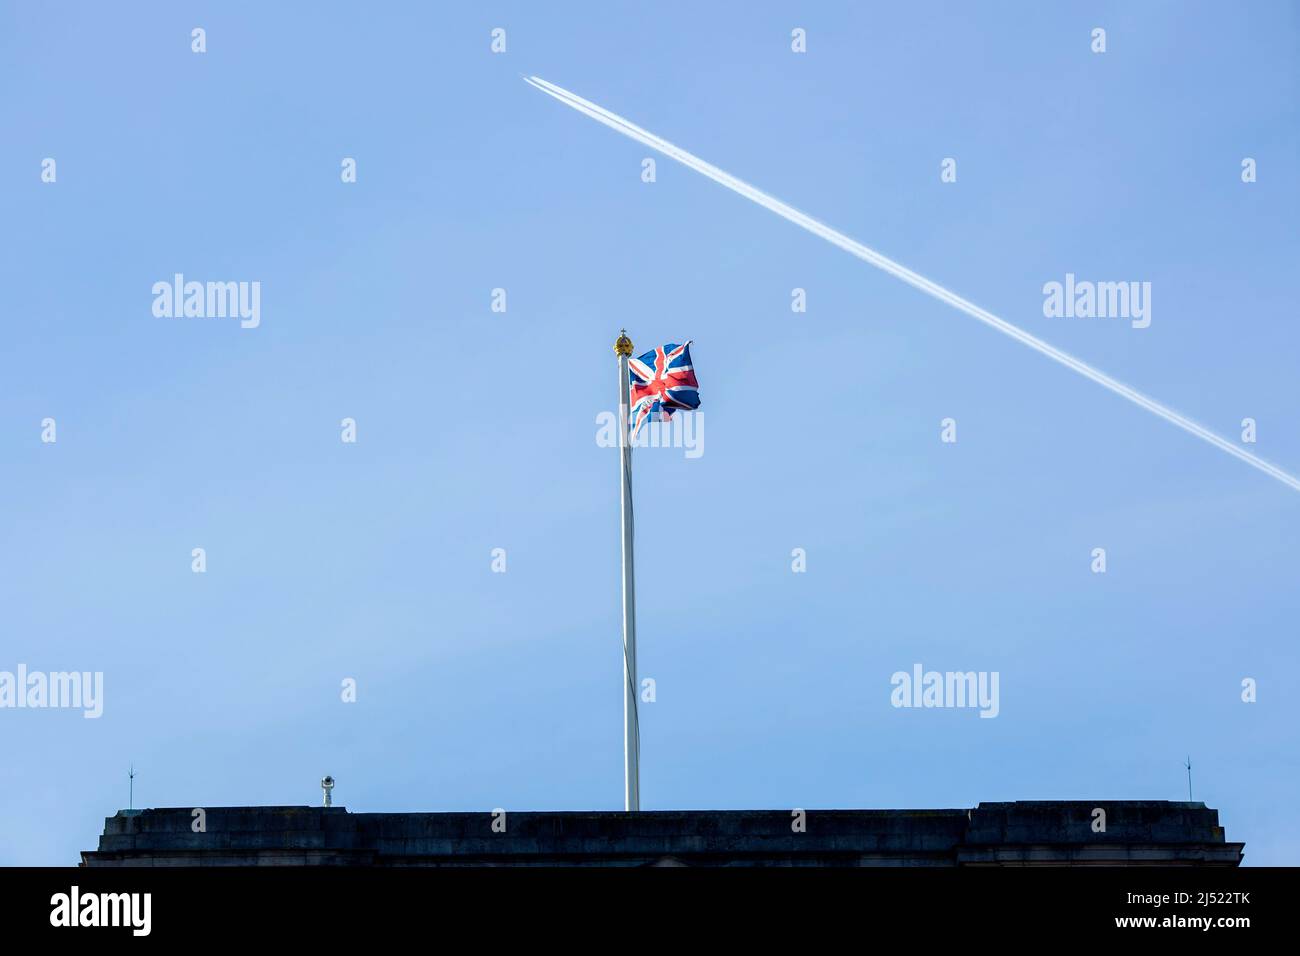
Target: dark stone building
x=1136 y=833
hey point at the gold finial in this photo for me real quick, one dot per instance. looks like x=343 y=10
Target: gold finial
x=623 y=346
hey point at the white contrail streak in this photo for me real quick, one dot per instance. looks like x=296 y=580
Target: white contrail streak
x=852 y=246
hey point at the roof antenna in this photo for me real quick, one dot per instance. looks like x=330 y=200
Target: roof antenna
x=130 y=805
x=1189 y=778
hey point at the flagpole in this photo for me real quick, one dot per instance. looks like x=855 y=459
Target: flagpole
x=631 y=727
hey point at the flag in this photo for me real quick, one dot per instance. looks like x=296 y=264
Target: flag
x=661 y=382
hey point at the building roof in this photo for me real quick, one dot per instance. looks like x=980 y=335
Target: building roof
x=1136 y=832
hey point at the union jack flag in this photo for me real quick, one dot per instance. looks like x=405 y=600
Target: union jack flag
x=662 y=382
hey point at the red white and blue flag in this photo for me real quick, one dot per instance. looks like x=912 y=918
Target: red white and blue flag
x=662 y=382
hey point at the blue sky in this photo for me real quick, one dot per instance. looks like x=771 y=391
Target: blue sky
x=476 y=430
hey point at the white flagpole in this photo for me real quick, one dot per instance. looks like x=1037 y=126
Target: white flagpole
x=631 y=727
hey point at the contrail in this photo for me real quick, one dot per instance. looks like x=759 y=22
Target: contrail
x=852 y=246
